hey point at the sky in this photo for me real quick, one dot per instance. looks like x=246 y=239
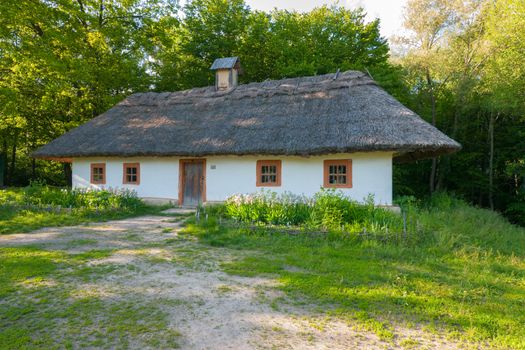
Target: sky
x=388 y=11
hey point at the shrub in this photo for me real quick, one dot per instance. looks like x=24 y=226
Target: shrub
x=41 y=195
x=328 y=209
x=36 y=206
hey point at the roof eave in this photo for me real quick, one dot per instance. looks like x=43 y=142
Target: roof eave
x=401 y=155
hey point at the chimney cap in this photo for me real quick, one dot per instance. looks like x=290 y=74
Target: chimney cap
x=226 y=63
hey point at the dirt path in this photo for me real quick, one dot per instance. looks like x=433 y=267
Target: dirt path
x=210 y=309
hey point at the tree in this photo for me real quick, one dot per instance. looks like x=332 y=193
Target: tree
x=504 y=86
x=63 y=62
x=433 y=24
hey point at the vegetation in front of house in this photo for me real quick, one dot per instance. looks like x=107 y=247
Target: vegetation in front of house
x=37 y=205
x=464 y=275
x=328 y=210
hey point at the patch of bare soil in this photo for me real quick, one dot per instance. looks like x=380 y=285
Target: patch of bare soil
x=211 y=309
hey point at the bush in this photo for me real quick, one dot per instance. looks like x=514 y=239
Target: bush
x=26 y=209
x=38 y=194
x=328 y=209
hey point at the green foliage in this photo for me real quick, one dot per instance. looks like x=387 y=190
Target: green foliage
x=463 y=64
x=37 y=206
x=464 y=276
x=62 y=62
x=39 y=194
x=327 y=210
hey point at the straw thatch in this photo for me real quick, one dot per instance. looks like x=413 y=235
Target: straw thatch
x=324 y=114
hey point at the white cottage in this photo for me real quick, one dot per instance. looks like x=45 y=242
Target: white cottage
x=202 y=145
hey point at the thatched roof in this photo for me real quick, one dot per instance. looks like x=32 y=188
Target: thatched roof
x=346 y=112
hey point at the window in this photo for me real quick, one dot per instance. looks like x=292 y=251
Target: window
x=131 y=173
x=98 y=173
x=268 y=173
x=338 y=173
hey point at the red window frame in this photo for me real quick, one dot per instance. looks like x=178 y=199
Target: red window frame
x=101 y=181
x=125 y=168
x=327 y=173
x=269 y=163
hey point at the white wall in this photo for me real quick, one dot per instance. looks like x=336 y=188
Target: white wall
x=371 y=174
x=159 y=177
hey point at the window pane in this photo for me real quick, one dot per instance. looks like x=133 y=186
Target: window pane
x=341 y=169
x=98 y=174
x=268 y=173
x=342 y=179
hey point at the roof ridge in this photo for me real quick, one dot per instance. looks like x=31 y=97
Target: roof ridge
x=301 y=85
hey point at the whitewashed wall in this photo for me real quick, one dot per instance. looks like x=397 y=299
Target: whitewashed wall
x=372 y=174
x=159 y=177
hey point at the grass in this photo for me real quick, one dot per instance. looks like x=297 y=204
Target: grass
x=43 y=306
x=37 y=206
x=42 y=303
x=464 y=276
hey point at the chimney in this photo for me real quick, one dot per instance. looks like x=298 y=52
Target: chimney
x=226 y=72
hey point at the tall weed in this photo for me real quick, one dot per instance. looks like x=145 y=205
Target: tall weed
x=38 y=194
x=327 y=209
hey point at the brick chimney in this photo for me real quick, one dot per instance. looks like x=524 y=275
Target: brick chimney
x=226 y=72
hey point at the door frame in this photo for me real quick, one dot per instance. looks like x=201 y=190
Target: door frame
x=182 y=177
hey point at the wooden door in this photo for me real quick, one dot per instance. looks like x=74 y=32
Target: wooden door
x=192 y=182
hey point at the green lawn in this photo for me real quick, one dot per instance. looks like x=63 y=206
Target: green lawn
x=464 y=276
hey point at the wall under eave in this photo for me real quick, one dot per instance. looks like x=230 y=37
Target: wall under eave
x=227 y=175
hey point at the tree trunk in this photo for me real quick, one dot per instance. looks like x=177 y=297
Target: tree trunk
x=11 y=170
x=3 y=157
x=433 y=170
x=491 y=160
x=445 y=161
